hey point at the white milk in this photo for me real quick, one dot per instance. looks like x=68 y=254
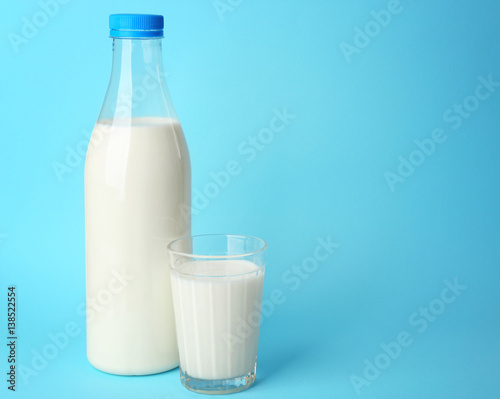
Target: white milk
x=217 y=318
x=137 y=179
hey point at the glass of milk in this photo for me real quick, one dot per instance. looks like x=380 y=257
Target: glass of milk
x=217 y=283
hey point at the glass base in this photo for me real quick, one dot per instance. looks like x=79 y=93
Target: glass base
x=217 y=387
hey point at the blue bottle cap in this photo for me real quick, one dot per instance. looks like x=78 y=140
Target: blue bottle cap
x=135 y=25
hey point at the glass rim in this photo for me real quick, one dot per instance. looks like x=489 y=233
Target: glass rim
x=204 y=256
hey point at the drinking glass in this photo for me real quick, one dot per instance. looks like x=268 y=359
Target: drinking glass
x=217 y=282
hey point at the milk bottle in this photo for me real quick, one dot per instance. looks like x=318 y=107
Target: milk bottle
x=137 y=199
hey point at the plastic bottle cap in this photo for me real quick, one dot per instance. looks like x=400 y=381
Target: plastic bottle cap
x=135 y=25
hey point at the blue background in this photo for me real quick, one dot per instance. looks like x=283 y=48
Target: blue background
x=324 y=175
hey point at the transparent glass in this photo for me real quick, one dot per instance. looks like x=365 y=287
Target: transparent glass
x=217 y=283
x=137 y=86
x=137 y=200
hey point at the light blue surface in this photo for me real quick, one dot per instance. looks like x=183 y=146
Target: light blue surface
x=232 y=66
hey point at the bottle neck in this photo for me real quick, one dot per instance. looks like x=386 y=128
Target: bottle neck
x=137 y=87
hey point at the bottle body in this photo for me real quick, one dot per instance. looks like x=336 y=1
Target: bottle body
x=137 y=200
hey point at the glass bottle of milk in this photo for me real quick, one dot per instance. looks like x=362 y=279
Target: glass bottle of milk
x=137 y=199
